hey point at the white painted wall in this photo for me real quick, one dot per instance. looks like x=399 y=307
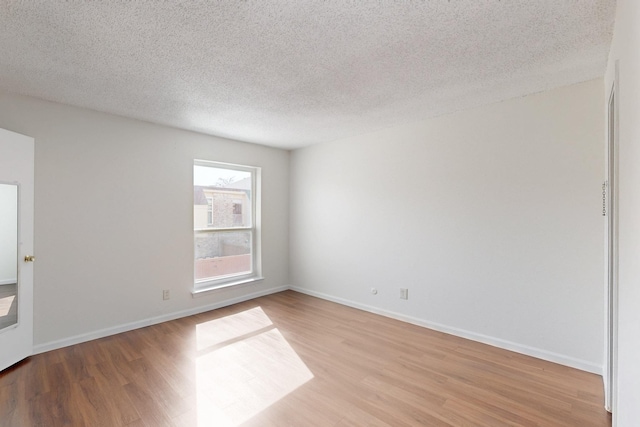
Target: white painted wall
x=491 y=217
x=8 y=234
x=626 y=40
x=113 y=217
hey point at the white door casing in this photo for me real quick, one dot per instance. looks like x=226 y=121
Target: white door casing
x=610 y=206
x=17 y=167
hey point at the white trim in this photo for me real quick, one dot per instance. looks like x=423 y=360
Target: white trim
x=77 y=339
x=223 y=165
x=496 y=342
x=201 y=291
x=222 y=229
x=8 y=282
x=610 y=376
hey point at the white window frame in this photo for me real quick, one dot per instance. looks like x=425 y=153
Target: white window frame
x=203 y=286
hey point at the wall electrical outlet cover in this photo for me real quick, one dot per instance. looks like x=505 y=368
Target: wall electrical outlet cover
x=165 y=294
x=404 y=293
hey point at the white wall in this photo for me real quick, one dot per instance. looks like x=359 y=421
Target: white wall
x=490 y=217
x=114 y=214
x=8 y=234
x=626 y=40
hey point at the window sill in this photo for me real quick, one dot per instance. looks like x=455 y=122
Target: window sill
x=206 y=290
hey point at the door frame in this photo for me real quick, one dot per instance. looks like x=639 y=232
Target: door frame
x=611 y=245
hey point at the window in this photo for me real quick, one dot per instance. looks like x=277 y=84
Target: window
x=225 y=224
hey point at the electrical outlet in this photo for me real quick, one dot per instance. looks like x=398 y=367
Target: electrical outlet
x=404 y=293
x=165 y=294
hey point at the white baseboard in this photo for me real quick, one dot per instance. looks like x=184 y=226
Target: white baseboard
x=485 y=339
x=77 y=339
x=496 y=342
x=8 y=281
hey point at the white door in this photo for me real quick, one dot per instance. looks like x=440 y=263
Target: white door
x=16 y=247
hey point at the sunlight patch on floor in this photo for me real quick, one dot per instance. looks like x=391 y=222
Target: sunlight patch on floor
x=243 y=368
x=229 y=328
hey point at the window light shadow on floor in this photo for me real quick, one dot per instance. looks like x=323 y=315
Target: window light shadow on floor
x=244 y=365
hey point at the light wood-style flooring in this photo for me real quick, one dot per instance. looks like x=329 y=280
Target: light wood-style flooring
x=293 y=360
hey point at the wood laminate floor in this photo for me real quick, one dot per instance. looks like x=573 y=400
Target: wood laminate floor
x=293 y=360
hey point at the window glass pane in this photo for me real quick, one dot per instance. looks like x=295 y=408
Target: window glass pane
x=222 y=254
x=222 y=197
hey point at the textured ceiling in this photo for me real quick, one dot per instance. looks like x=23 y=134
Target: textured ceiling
x=293 y=73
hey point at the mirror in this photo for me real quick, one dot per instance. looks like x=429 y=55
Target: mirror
x=8 y=255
